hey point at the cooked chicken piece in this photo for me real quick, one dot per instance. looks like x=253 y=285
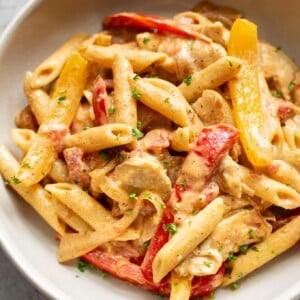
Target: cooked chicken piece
x=24 y=118
x=141 y=173
x=212 y=109
x=185 y=57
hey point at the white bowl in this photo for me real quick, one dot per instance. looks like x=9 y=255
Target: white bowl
x=35 y=33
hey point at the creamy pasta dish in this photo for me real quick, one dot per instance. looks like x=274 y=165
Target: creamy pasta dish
x=164 y=151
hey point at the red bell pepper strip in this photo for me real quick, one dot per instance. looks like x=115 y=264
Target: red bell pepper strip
x=123 y=269
x=211 y=145
x=160 y=237
x=151 y=22
x=99 y=101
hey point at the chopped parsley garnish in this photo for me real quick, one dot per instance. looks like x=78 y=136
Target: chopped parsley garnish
x=104 y=155
x=171 y=227
x=25 y=164
x=87 y=127
x=255 y=249
x=240 y=274
x=163 y=206
x=61 y=99
x=182 y=183
x=136 y=77
x=136 y=94
x=188 y=80
x=133 y=196
x=139 y=124
x=291 y=86
x=146 y=40
x=111 y=110
x=137 y=133
x=278 y=94
x=274 y=252
x=231 y=257
x=250 y=233
x=147 y=195
x=244 y=249
x=129 y=212
x=278 y=48
x=230 y=63
x=83 y=266
x=146 y=245
x=15 y=180
x=167 y=100
x=6 y=182
x=207 y=264
x=120 y=156
x=235 y=285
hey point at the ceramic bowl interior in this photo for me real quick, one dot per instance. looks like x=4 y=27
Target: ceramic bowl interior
x=38 y=30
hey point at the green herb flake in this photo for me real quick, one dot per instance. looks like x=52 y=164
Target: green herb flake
x=25 y=164
x=136 y=94
x=104 y=274
x=111 y=110
x=15 y=180
x=235 y=285
x=244 y=249
x=6 y=182
x=207 y=264
x=129 y=212
x=105 y=156
x=83 y=266
x=137 y=133
x=166 y=163
x=87 y=127
x=278 y=48
x=146 y=244
x=240 y=274
x=167 y=100
x=212 y=295
x=133 y=196
x=136 y=77
x=274 y=252
x=146 y=40
x=251 y=233
x=120 y=156
x=163 y=206
x=291 y=86
x=183 y=183
x=255 y=249
x=231 y=257
x=277 y=94
x=230 y=63
x=171 y=228
x=61 y=99
x=188 y=80
x=84 y=170
x=139 y=124
x=147 y=195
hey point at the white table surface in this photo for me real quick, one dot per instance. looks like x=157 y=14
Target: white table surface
x=13 y=286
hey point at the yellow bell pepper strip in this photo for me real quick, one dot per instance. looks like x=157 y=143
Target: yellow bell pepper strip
x=246 y=99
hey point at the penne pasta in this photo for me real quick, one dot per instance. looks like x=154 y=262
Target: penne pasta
x=180 y=287
x=101 y=137
x=49 y=69
x=278 y=242
x=181 y=244
x=211 y=77
x=35 y=195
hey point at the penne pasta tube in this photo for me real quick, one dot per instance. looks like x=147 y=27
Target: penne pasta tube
x=182 y=138
x=211 y=77
x=181 y=287
x=160 y=100
x=91 y=211
x=67 y=95
x=194 y=120
x=278 y=242
x=38 y=198
x=125 y=104
x=23 y=138
x=101 y=137
x=139 y=59
x=71 y=218
x=187 y=238
x=50 y=68
x=268 y=189
x=37 y=162
x=76 y=244
x=38 y=98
